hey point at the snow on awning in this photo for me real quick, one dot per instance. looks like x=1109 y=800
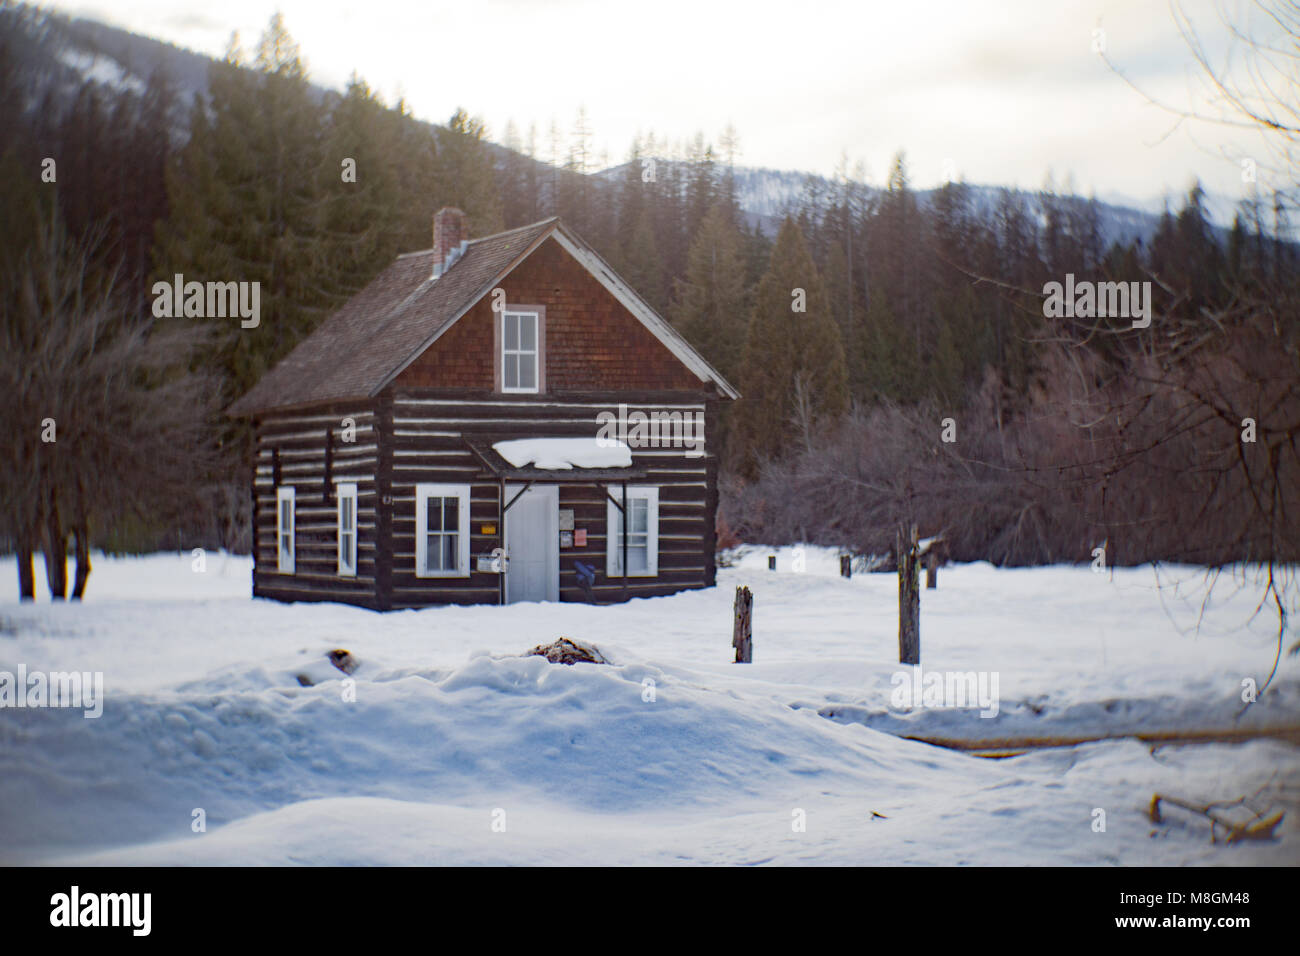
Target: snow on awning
x=564 y=454
x=554 y=460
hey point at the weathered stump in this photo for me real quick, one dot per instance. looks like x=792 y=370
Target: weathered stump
x=742 y=635
x=846 y=566
x=909 y=597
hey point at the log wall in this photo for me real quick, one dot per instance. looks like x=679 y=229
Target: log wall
x=427 y=446
x=299 y=440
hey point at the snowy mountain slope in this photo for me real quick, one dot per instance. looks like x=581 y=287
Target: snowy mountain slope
x=54 y=56
x=67 y=53
x=101 y=69
x=768 y=195
x=671 y=754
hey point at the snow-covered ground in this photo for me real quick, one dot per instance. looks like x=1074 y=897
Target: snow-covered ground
x=447 y=747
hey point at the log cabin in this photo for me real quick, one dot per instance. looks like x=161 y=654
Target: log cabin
x=491 y=420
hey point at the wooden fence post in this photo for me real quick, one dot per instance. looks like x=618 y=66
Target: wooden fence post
x=909 y=597
x=771 y=562
x=846 y=566
x=931 y=569
x=742 y=635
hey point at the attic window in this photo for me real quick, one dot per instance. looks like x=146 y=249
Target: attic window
x=521 y=334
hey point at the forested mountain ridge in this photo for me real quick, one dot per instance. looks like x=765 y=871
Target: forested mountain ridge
x=65 y=53
x=856 y=321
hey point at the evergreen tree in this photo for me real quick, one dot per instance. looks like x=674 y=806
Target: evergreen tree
x=701 y=187
x=245 y=204
x=792 y=371
x=467 y=175
x=643 y=265
x=887 y=363
x=362 y=196
x=710 y=303
x=960 y=346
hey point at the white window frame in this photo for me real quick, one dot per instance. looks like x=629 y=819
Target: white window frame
x=614 y=530
x=282 y=494
x=520 y=352
x=422 y=494
x=347 y=491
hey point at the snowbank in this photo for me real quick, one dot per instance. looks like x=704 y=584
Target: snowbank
x=446 y=746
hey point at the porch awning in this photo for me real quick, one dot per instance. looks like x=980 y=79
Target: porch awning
x=568 y=460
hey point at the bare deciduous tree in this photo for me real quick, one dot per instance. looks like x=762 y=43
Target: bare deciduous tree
x=109 y=420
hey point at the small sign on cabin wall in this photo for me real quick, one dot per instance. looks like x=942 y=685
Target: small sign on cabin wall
x=566 y=539
x=487 y=529
x=566 y=519
x=580 y=537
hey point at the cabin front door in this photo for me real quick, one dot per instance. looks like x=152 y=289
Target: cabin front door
x=533 y=544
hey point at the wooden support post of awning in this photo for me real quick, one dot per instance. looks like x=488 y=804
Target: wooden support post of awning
x=625 y=541
x=512 y=500
x=501 y=540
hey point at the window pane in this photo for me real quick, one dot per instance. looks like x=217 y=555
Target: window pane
x=528 y=332
x=433 y=553
x=433 y=514
x=527 y=371
x=510 y=324
x=510 y=372
x=636 y=518
x=449 y=552
x=451 y=514
x=345 y=506
x=636 y=557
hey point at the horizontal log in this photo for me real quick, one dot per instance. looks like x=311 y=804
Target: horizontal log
x=412 y=395
x=319 y=580
x=402 y=404
x=290 y=595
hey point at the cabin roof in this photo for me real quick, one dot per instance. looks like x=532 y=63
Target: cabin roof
x=358 y=350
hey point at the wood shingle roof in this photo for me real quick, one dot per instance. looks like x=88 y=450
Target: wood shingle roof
x=360 y=348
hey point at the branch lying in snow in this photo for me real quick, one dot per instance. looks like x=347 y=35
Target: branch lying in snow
x=1258 y=827
x=567 y=651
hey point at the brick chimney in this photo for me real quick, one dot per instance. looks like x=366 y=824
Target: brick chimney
x=449 y=231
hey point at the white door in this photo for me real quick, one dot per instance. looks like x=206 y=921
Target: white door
x=533 y=544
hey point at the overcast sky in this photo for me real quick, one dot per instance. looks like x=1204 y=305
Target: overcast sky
x=1003 y=92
